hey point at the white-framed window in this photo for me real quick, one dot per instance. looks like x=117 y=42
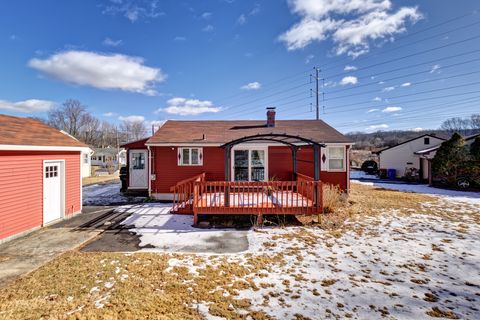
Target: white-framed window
x=336 y=158
x=190 y=156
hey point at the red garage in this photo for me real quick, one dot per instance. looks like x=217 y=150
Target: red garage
x=40 y=176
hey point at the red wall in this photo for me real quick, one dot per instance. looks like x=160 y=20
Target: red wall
x=21 y=188
x=168 y=173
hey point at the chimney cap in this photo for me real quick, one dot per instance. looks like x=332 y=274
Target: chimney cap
x=271 y=108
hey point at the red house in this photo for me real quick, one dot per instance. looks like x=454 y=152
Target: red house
x=253 y=155
x=40 y=175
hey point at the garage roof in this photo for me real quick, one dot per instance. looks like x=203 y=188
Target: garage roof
x=16 y=131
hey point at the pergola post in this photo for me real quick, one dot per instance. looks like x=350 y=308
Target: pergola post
x=316 y=173
x=294 y=161
x=228 y=165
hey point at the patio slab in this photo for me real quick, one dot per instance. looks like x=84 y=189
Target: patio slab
x=25 y=254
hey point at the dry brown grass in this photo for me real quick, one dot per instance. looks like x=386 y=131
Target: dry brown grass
x=100 y=179
x=152 y=289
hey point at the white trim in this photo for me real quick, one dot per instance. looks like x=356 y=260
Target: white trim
x=81 y=181
x=62 y=182
x=163 y=196
x=149 y=171
x=16 y=147
x=215 y=144
x=249 y=147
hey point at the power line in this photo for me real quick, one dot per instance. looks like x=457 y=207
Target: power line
x=410 y=55
x=413 y=34
x=413 y=83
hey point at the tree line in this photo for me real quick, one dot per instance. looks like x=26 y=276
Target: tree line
x=73 y=118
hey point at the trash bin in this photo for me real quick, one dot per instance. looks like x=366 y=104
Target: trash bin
x=123 y=178
x=392 y=174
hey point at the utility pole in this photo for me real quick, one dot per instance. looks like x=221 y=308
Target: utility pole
x=317 y=92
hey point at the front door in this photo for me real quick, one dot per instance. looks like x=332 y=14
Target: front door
x=52 y=191
x=249 y=165
x=138 y=170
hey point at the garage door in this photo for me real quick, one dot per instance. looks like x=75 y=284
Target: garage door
x=52 y=191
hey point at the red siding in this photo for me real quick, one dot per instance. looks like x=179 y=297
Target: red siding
x=168 y=172
x=21 y=188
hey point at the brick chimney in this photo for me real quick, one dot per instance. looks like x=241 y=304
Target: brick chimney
x=271 y=117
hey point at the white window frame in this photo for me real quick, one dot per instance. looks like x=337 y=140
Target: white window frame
x=180 y=157
x=329 y=158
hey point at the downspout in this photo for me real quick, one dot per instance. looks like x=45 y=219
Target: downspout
x=149 y=172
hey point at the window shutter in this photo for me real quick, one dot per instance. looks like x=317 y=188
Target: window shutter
x=179 y=156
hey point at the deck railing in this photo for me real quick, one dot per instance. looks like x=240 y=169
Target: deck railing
x=198 y=196
x=183 y=194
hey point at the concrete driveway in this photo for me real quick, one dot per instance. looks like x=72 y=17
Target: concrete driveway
x=27 y=253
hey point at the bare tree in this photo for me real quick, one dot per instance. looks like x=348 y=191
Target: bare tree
x=133 y=130
x=475 y=121
x=70 y=117
x=90 y=131
x=456 y=124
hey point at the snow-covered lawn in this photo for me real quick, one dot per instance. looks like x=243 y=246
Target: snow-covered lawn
x=358 y=174
x=399 y=256
x=105 y=194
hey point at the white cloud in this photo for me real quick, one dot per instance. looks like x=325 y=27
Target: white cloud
x=132 y=118
x=352 y=25
x=188 y=107
x=377 y=127
x=252 y=86
x=391 y=109
x=435 y=68
x=115 y=71
x=208 y=28
x=309 y=58
x=349 y=80
x=242 y=19
x=180 y=38
x=111 y=43
x=27 y=106
x=377 y=99
x=134 y=10
x=349 y=68
x=373 y=110
x=416 y=129
x=207 y=15
x=388 y=89
x=109 y=114
x=406 y=84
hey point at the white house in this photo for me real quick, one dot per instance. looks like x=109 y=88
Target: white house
x=427 y=154
x=402 y=157
x=109 y=156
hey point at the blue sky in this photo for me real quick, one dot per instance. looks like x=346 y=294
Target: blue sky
x=385 y=64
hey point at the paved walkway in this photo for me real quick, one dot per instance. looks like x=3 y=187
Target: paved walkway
x=25 y=254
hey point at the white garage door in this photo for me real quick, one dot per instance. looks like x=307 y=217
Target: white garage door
x=52 y=191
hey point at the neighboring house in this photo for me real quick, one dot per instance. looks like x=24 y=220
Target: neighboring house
x=427 y=154
x=240 y=150
x=402 y=157
x=109 y=156
x=40 y=175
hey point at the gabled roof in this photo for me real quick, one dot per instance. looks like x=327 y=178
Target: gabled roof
x=431 y=149
x=27 y=132
x=410 y=140
x=220 y=132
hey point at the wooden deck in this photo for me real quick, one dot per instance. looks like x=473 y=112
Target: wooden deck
x=198 y=196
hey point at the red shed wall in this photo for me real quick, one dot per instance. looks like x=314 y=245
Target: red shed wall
x=21 y=188
x=168 y=172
